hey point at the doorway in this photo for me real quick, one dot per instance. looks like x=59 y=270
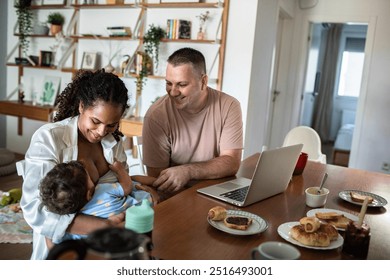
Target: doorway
x=332 y=86
x=280 y=95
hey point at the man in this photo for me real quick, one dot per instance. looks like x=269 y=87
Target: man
x=194 y=132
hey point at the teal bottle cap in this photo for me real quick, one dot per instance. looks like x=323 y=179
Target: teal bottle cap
x=140 y=218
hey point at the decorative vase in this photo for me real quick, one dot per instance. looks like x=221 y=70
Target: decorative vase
x=201 y=34
x=109 y=68
x=54 y=29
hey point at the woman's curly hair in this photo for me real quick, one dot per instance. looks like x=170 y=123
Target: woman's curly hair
x=63 y=190
x=89 y=87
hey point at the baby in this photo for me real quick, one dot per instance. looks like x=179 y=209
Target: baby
x=68 y=189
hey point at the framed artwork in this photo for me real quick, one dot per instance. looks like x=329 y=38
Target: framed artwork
x=53 y=2
x=51 y=86
x=89 y=61
x=45 y=58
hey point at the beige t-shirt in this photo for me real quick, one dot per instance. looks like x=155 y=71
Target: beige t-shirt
x=172 y=137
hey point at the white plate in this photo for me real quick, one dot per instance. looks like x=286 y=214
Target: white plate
x=378 y=200
x=258 y=224
x=284 y=232
x=312 y=213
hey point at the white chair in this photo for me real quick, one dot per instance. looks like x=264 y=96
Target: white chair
x=311 y=142
x=137 y=143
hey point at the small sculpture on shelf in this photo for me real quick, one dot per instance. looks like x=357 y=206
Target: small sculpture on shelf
x=203 y=17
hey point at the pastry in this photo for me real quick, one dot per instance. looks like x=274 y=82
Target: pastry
x=336 y=219
x=315 y=239
x=341 y=222
x=328 y=215
x=320 y=238
x=217 y=213
x=360 y=198
x=311 y=224
x=235 y=222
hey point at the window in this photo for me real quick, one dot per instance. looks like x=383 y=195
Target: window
x=351 y=67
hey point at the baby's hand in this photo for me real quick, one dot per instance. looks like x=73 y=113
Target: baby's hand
x=117 y=167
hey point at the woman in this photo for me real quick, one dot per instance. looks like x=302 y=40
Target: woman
x=85 y=129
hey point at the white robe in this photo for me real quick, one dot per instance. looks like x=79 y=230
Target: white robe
x=51 y=144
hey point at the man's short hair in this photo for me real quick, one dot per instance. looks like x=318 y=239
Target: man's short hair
x=189 y=56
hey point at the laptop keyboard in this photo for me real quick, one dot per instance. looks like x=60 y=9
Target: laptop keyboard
x=238 y=195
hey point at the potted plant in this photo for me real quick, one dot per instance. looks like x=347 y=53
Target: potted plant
x=24 y=17
x=152 y=40
x=56 y=20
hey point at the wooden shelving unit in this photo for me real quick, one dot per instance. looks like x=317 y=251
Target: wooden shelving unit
x=25 y=109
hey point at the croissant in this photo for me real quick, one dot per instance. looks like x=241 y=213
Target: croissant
x=311 y=224
x=316 y=239
x=217 y=213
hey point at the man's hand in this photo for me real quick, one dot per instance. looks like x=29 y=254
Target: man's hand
x=153 y=192
x=172 y=179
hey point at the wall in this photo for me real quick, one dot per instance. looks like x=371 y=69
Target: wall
x=249 y=62
x=370 y=143
x=236 y=74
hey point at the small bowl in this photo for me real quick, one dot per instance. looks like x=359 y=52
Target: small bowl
x=314 y=199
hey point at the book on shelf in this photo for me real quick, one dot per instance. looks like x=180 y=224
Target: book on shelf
x=178 y=29
x=114 y=31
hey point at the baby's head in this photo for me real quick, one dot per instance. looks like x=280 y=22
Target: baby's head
x=65 y=189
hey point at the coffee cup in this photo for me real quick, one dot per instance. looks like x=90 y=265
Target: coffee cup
x=301 y=163
x=316 y=198
x=273 y=250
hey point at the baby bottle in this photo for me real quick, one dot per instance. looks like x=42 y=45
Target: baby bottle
x=140 y=218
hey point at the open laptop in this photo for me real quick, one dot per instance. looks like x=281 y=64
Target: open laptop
x=272 y=174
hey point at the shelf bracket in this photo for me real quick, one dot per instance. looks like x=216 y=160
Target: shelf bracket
x=139 y=25
x=219 y=31
x=214 y=61
x=12 y=51
x=130 y=63
x=73 y=23
x=66 y=55
x=16 y=90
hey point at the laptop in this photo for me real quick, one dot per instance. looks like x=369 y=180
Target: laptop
x=272 y=174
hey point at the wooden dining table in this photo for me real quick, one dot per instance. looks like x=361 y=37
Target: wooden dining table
x=182 y=231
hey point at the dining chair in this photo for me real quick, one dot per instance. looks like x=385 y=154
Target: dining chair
x=137 y=143
x=311 y=142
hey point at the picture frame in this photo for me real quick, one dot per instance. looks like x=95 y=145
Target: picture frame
x=89 y=61
x=53 y=2
x=50 y=89
x=45 y=58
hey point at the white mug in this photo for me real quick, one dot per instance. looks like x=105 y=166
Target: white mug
x=273 y=250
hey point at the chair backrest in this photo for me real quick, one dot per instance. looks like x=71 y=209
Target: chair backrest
x=137 y=142
x=309 y=138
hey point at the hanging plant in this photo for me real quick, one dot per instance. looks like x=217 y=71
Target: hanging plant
x=145 y=69
x=152 y=40
x=24 y=16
